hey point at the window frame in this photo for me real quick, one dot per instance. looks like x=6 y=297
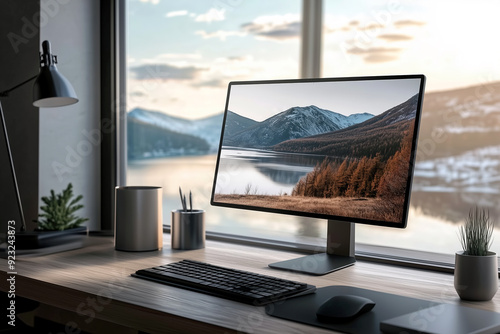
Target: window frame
x=113 y=149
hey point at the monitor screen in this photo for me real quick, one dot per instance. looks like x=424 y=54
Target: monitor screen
x=335 y=148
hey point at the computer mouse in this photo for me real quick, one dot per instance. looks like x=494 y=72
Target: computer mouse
x=343 y=308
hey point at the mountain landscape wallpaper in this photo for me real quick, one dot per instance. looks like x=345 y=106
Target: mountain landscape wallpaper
x=315 y=160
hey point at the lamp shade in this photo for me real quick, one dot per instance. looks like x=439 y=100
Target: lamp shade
x=51 y=88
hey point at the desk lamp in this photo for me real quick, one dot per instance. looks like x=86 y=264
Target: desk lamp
x=50 y=89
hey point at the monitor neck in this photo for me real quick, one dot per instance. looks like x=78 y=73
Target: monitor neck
x=340 y=238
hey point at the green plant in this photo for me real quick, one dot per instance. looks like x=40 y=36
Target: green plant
x=477 y=232
x=59 y=211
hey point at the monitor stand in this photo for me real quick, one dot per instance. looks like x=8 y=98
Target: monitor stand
x=339 y=252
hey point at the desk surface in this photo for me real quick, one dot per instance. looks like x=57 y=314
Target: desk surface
x=95 y=283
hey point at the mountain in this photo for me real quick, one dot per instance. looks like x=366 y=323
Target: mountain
x=380 y=134
x=146 y=140
x=458 y=157
x=458 y=120
x=206 y=128
x=295 y=122
x=358 y=118
x=155 y=134
x=236 y=123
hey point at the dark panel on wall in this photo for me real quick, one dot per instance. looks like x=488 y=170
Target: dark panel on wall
x=19 y=45
x=109 y=105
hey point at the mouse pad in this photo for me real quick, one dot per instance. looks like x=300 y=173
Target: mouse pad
x=303 y=309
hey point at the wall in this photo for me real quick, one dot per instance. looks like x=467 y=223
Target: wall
x=19 y=45
x=69 y=136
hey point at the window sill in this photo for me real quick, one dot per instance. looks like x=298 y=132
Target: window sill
x=364 y=252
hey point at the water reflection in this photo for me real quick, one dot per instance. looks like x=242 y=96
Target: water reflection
x=309 y=228
x=432 y=223
x=262 y=172
x=454 y=206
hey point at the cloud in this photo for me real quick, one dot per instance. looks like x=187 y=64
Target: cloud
x=404 y=23
x=238 y=58
x=154 y=2
x=273 y=31
x=376 y=54
x=353 y=25
x=372 y=26
x=361 y=51
x=164 y=72
x=177 y=13
x=221 y=34
x=211 y=83
x=212 y=15
x=356 y=25
x=379 y=58
x=136 y=94
x=395 y=37
x=278 y=27
x=178 y=56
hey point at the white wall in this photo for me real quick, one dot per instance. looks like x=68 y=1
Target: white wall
x=69 y=136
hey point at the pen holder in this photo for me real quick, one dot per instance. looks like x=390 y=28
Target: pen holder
x=188 y=229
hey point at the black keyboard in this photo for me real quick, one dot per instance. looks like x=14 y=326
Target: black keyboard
x=239 y=285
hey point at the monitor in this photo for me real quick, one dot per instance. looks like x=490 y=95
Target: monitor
x=340 y=149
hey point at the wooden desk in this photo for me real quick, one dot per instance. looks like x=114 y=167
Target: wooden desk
x=95 y=283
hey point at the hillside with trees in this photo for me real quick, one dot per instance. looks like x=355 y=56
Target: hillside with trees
x=381 y=134
x=367 y=177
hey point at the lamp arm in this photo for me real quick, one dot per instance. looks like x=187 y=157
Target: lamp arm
x=23 y=222
x=6 y=92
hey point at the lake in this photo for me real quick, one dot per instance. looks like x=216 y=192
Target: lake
x=261 y=172
x=432 y=222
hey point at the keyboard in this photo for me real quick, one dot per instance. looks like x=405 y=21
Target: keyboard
x=242 y=286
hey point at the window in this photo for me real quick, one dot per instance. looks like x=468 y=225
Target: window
x=458 y=161
x=180 y=56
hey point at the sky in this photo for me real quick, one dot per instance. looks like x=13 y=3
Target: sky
x=261 y=101
x=182 y=54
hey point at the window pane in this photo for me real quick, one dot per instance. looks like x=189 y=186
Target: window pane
x=458 y=161
x=180 y=57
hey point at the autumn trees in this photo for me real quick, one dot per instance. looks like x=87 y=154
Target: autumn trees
x=365 y=177
x=353 y=178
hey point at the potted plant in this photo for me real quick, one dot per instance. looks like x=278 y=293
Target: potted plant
x=476 y=267
x=58 y=224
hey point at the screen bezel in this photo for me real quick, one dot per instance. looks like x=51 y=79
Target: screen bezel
x=404 y=221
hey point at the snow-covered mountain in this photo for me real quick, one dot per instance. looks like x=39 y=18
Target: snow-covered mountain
x=380 y=134
x=358 y=118
x=295 y=122
x=236 y=123
x=207 y=128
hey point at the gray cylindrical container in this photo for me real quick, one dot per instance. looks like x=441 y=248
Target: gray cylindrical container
x=138 y=218
x=188 y=229
x=476 y=277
